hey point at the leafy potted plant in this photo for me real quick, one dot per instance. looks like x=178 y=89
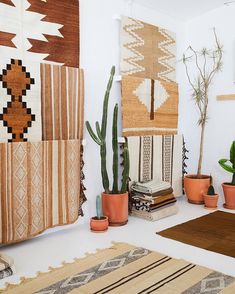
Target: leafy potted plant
x=229 y=188
x=99 y=223
x=207 y=63
x=115 y=201
x=211 y=198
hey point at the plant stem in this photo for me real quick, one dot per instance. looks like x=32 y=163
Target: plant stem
x=233 y=180
x=199 y=169
x=115 y=150
x=105 y=179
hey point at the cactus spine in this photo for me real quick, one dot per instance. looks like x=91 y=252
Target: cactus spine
x=100 y=139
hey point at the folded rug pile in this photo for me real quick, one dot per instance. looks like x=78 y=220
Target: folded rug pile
x=6 y=266
x=153 y=200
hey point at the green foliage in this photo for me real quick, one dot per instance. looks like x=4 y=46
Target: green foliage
x=99 y=212
x=211 y=190
x=229 y=164
x=100 y=139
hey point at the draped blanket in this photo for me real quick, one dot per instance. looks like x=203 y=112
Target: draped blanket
x=40 y=187
x=157 y=157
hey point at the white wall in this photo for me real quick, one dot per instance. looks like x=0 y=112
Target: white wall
x=99 y=51
x=220 y=128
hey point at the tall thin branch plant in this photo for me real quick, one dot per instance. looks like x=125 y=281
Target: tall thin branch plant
x=207 y=63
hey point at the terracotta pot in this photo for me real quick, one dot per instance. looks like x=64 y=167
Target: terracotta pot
x=115 y=206
x=195 y=188
x=229 y=195
x=211 y=201
x=99 y=225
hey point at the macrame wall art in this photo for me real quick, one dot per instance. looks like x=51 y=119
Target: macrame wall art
x=149 y=88
x=41 y=117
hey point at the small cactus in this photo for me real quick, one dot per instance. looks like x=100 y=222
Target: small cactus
x=229 y=164
x=99 y=212
x=211 y=190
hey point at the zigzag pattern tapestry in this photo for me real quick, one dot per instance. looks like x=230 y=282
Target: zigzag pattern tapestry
x=149 y=107
x=46 y=30
x=147 y=51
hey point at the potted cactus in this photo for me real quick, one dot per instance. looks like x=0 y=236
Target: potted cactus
x=211 y=198
x=99 y=223
x=229 y=188
x=114 y=201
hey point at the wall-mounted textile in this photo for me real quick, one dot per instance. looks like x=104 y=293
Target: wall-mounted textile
x=62 y=102
x=149 y=107
x=147 y=51
x=40 y=102
x=157 y=157
x=40 y=187
x=46 y=30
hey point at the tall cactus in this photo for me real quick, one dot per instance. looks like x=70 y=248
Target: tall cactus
x=100 y=138
x=115 y=150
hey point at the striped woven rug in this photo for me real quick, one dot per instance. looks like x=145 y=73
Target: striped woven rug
x=124 y=268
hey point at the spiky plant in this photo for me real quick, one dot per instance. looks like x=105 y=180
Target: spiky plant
x=229 y=164
x=100 y=139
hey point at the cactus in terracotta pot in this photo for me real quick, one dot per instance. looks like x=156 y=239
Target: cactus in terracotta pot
x=229 y=188
x=114 y=201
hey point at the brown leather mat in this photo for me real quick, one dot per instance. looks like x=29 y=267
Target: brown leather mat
x=214 y=232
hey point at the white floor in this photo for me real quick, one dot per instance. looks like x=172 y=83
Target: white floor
x=74 y=241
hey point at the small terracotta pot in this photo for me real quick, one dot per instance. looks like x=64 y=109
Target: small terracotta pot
x=229 y=195
x=115 y=206
x=196 y=187
x=211 y=201
x=99 y=225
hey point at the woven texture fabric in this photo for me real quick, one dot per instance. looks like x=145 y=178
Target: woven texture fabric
x=40 y=31
x=40 y=187
x=62 y=102
x=127 y=269
x=149 y=107
x=147 y=51
x=200 y=232
x=158 y=158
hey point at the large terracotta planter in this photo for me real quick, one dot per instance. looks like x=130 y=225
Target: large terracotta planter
x=99 y=225
x=211 y=201
x=229 y=195
x=195 y=188
x=115 y=206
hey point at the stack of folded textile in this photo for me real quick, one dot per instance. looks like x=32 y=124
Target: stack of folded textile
x=6 y=266
x=153 y=200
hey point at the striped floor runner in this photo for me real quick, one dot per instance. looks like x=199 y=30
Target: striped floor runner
x=124 y=268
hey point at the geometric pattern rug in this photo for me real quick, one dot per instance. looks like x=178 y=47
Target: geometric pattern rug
x=214 y=232
x=150 y=107
x=124 y=268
